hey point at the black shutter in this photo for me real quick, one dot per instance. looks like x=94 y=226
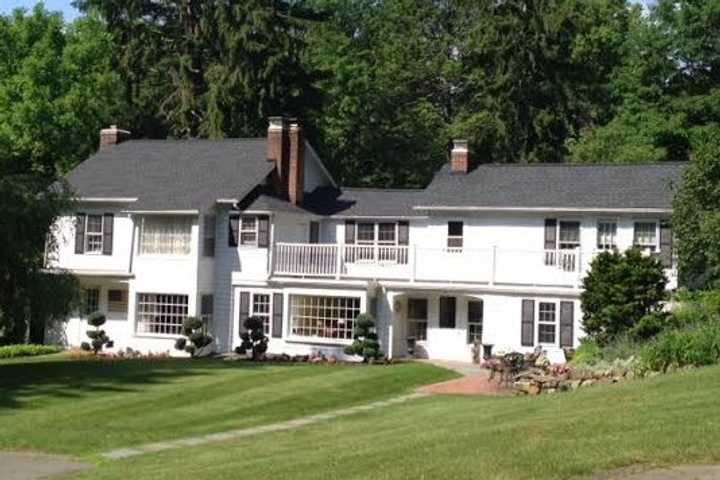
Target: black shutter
x=233 y=230
x=80 y=233
x=403 y=233
x=314 y=232
x=244 y=310
x=108 y=233
x=567 y=316
x=349 y=232
x=277 y=316
x=209 y=235
x=263 y=231
x=550 y=234
x=666 y=245
x=527 y=335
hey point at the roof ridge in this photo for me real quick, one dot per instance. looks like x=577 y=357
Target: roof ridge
x=584 y=164
x=380 y=189
x=180 y=140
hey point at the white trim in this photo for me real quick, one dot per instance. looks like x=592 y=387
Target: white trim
x=373 y=217
x=107 y=199
x=162 y=212
x=99 y=273
x=230 y=201
x=544 y=209
x=320 y=163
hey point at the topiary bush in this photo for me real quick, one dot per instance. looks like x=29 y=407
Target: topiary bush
x=618 y=291
x=365 y=339
x=195 y=338
x=253 y=338
x=98 y=338
x=27 y=350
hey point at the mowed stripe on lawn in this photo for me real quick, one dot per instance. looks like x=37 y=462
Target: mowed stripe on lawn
x=83 y=408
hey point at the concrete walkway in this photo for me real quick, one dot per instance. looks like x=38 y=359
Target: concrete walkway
x=251 y=431
x=32 y=466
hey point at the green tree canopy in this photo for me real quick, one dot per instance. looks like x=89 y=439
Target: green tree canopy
x=57 y=87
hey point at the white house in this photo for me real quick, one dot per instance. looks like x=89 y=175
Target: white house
x=225 y=229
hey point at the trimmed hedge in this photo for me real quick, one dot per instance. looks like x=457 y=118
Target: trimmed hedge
x=27 y=350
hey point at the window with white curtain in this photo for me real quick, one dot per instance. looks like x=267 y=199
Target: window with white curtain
x=165 y=235
x=645 y=236
x=606 y=235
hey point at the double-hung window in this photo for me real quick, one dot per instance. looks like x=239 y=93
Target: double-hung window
x=261 y=309
x=606 y=235
x=376 y=238
x=645 y=236
x=455 y=236
x=417 y=318
x=165 y=235
x=248 y=231
x=475 y=321
x=569 y=235
x=93 y=234
x=547 y=323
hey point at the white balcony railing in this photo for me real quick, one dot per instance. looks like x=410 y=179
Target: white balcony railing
x=489 y=266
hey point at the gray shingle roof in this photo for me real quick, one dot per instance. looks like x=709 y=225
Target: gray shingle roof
x=364 y=202
x=611 y=186
x=173 y=174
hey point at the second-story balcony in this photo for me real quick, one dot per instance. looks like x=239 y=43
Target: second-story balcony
x=489 y=266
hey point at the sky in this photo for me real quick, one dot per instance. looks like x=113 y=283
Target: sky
x=71 y=13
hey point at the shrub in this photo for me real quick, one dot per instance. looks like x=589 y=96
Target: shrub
x=27 y=350
x=98 y=338
x=588 y=353
x=619 y=290
x=694 y=345
x=652 y=324
x=195 y=337
x=365 y=340
x=253 y=338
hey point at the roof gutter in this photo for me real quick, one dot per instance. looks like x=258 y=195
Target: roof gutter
x=108 y=199
x=541 y=209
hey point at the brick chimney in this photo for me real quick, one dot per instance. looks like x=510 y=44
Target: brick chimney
x=460 y=157
x=112 y=136
x=296 y=175
x=278 y=148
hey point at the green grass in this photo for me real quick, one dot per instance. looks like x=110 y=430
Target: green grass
x=666 y=420
x=55 y=404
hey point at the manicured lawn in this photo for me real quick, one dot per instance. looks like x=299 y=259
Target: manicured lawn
x=665 y=420
x=54 y=404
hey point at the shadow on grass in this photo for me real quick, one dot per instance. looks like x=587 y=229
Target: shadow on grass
x=71 y=378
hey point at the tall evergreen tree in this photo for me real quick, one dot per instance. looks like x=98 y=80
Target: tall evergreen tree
x=210 y=68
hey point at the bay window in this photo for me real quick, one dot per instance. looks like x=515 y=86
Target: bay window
x=323 y=317
x=165 y=235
